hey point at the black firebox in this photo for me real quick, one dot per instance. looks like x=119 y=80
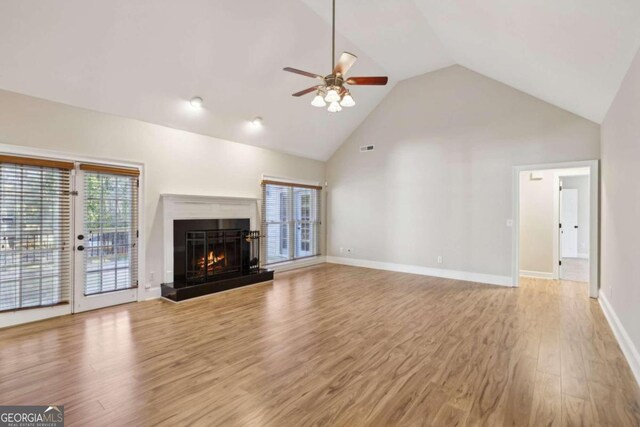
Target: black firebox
x=213 y=255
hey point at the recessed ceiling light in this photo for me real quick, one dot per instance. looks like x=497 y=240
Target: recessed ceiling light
x=196 y=102
x=257 y=122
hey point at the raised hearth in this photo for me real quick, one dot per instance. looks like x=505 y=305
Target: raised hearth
x=186 y=292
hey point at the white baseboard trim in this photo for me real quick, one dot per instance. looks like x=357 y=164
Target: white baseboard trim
x=536 y=274
x=19 y=317
x=627 y=346
x=151 y=293
x=292 y=265
x=489 y=279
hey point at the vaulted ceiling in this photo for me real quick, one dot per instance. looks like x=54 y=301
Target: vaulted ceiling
x=146 y=58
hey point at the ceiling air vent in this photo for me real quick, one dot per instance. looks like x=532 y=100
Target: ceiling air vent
x=367 y=148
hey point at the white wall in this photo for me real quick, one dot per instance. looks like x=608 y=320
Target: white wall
x=439 y=181
x=620 y=206
x=537 y=222
x=175 y=161
x=580 y=183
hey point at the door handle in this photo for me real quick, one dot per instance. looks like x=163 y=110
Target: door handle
x=575 y=226
x=80 y=236
x=81 y=248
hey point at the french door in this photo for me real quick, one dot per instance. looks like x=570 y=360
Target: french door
x=106 y=237
x=68 y=237
x=290 y=221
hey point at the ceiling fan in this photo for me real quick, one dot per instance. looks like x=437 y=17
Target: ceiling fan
x=332 y=88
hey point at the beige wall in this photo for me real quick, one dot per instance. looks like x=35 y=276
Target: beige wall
x=439 y=181
x=175 y=161
x=537 y=222
x=620 y=247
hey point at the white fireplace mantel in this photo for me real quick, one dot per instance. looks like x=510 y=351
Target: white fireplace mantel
x=181 y=206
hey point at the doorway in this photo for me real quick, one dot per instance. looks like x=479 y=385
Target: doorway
x=555 y=223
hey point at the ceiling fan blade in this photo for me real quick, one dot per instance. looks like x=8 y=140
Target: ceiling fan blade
x=344 y=63
x=306 y=91
x=377 y=81
x=303 y=73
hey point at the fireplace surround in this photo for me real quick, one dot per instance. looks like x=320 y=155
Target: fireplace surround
x=210 y=245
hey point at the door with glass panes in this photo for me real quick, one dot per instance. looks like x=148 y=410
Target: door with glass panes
x=106 y=236
x=303 y=219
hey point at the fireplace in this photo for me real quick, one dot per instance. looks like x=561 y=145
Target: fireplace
x=212 y=255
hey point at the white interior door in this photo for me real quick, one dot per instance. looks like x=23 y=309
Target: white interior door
x=106 y=236
x=569 y=221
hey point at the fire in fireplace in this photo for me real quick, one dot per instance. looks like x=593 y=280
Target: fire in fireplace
x=213 y=252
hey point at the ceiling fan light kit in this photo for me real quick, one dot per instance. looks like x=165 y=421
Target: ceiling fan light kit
x=332 y=85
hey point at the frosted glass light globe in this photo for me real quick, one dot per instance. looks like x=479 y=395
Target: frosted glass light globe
x=332 y=96
x=334 y=107
x=318 y=101
x=347 y=101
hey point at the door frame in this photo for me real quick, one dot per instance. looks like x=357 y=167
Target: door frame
x=24 y=316
x=594 y=220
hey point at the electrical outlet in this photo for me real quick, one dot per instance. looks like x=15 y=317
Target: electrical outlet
x=152 y=276
x=439 y=259
x=341 y=250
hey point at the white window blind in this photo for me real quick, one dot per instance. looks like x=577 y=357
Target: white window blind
x=111 y=231
x=35 y=226
x=290 y=221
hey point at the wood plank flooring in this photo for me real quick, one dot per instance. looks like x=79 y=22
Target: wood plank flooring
x=332 y=345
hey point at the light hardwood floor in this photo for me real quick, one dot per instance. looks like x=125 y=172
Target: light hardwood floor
x=332 y=345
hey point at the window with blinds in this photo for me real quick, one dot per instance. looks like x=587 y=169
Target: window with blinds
x=35 y=227
x=290 y=221
x=110 y=224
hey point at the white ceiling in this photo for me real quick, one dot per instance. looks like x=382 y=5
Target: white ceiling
x=145 y=58
x=570 y=53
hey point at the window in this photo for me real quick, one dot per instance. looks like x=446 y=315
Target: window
x=35 y=233
x=290 y=221
x=110 y=224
